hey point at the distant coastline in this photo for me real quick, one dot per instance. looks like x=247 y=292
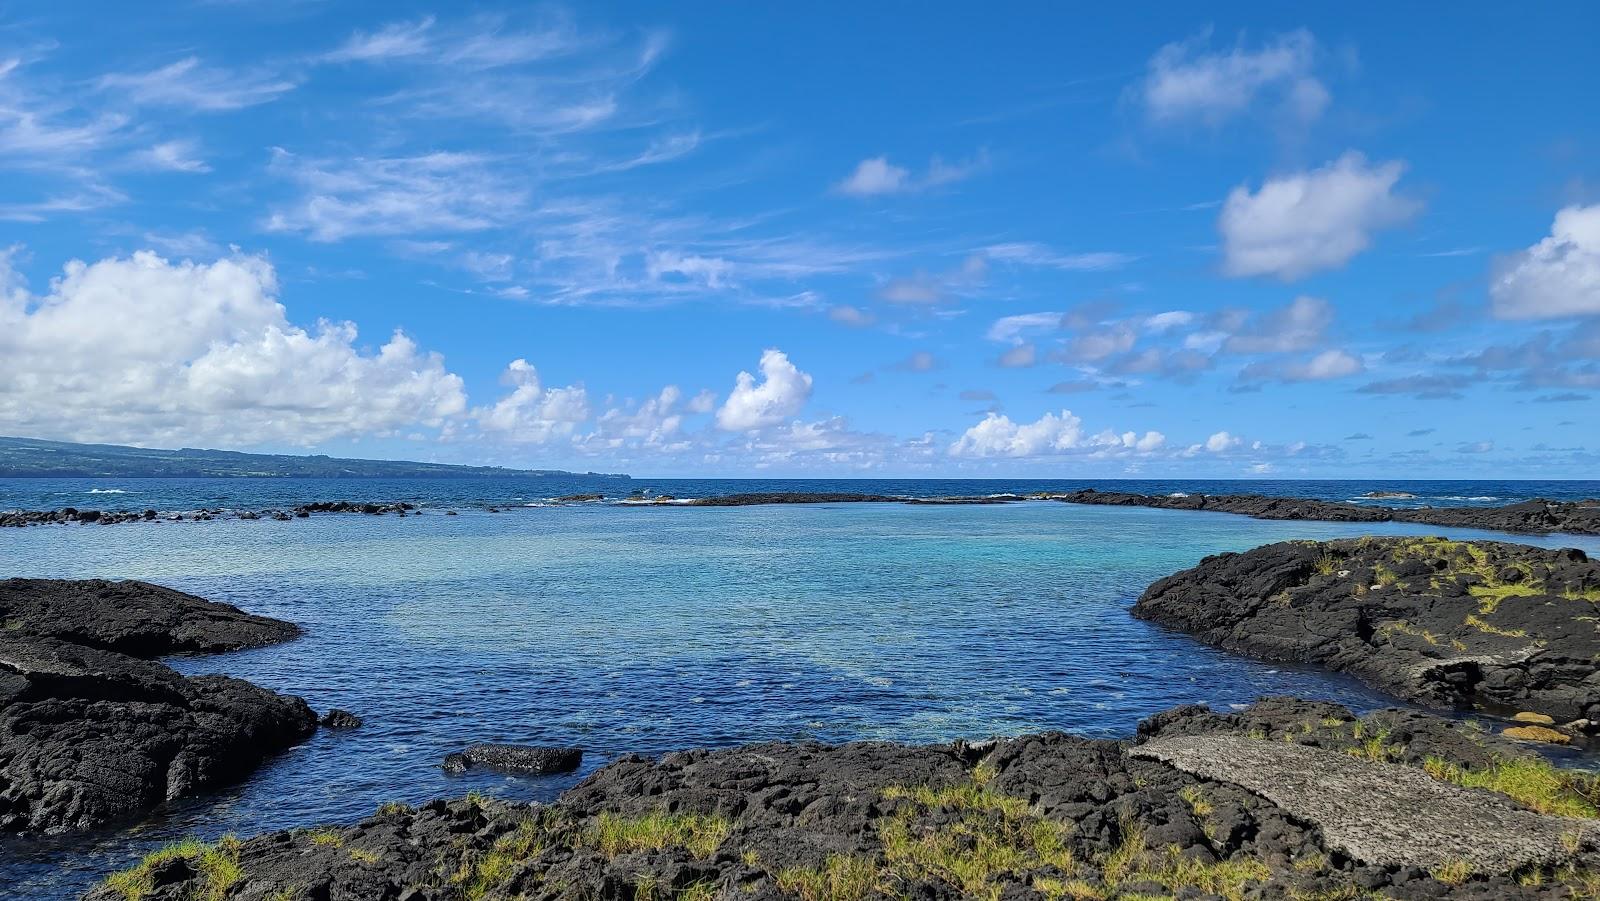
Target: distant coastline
x=34 y=458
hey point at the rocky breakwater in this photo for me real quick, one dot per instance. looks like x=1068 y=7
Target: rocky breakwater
x=20 y=518
x=94 y=730
x=1167 y=814
x=1505 y=627
x=1535 y=516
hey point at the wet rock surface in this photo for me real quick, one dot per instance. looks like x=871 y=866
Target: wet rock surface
x=1502 y=626
x=1536 y=516
x=530 y=759
x=1045 y=816
x=92 y=731
x=339 y=719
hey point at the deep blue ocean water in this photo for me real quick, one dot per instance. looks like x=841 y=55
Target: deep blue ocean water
x=626 y=629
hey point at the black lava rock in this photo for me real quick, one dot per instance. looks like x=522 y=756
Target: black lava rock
x=339 y=719
x=530 y=759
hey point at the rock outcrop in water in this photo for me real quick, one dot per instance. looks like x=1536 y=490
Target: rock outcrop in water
x=1535 y=516
x=20 y=518
x=1449 y=623
x=1052 y=816
x=93 y=731
x=530 y=759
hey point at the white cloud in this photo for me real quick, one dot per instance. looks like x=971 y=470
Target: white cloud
x=532 y=413
x=876 y=176
x=924 y=288
x=1013 y=328
x=189 y=84
x=142 y=350
x=656 y=423
x=397 y=40
x=32 y=129
x=1031 y=254
x=1222 y=442
x=1559 y=276
x=779 y=396
x=1301 y=223
x=1185 y=82
x=436 y=192
x=1299 y=325
x=1329 y=364
x=1162 y=322
x=172 y=156
x=1051 y=434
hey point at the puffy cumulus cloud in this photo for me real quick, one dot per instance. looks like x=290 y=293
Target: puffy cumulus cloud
x=1222 y=442
x=655 y=423
x=1187 y=81
x=1559 y=276
x=1301 y=223
x=779 y=396
x=532 y=413
x=998 y=436
x=141 y=350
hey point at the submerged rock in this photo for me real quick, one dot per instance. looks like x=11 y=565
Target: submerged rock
x=530 y=759
x=1449 y=623
x=91 y=732
x=1197 y=807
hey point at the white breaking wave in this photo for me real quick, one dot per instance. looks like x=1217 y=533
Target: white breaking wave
x=108 y=491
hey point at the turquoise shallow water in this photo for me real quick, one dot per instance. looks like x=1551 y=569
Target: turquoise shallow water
x=650 y=629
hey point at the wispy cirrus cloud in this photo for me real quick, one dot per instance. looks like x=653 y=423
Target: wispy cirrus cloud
x=192 y=85
x=433 y=193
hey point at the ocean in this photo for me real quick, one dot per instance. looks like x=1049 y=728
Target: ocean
x=650 y=628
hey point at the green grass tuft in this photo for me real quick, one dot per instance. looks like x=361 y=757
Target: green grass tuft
x=700 y=835
x=1532 y=782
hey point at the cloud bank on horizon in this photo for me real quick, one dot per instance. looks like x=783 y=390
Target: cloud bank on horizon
x=697 y=241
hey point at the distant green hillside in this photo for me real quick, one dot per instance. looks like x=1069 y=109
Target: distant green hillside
x=31 y=458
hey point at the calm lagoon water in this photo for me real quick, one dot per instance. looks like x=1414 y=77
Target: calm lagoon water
x=651 y=629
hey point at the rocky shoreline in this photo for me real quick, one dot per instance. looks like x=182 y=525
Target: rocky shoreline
x=1486 y=624
x=1398 y=808
x=1536 y=516
x=22 y=518
x=93 y=730
x=1285 y=799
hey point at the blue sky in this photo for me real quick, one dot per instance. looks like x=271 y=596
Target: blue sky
x=737 y=240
